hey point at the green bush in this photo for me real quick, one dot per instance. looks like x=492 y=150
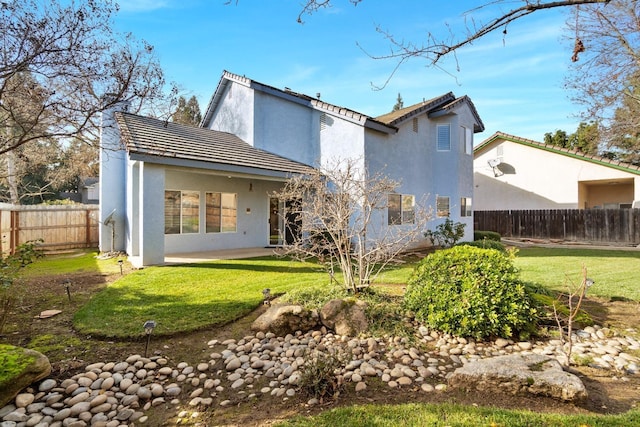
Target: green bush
x=488 y=235
x=485 y=244
x=468 y=291
x=446 y=234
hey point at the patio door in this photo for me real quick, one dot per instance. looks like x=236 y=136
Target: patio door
x=284 y=224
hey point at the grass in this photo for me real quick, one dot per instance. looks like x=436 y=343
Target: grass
x=77 y=261
x=191 y=297
x=614 y=271
x=450 y=415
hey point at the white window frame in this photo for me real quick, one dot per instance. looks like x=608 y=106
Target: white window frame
x=441 y=144
x=406 y=214
x=443 y=206
x=465 y=207
x=183 y=226
x=466 y=140
x=226 y=211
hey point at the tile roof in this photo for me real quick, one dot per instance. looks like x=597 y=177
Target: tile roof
x=603 y=161
x=445 y=102
x=161 y=139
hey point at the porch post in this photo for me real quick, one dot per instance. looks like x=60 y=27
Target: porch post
x=151 y=214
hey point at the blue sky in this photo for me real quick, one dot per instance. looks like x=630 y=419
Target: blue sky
x=516 y=83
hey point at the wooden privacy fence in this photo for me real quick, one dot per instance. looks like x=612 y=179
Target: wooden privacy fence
x=620 y=226
x=59 y=226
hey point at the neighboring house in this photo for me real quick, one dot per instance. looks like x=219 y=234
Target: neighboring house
x=89 y=189
x=513 y=173
x=178 y=189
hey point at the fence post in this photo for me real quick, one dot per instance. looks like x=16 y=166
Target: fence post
x=14 y=232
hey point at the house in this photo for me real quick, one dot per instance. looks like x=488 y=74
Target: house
x=168 y=188
x=513 y=173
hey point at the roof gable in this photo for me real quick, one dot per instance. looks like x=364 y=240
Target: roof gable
x=440 y=104
x=602 y=161
x=153 y=138
x=291 y=96
x=386 y=123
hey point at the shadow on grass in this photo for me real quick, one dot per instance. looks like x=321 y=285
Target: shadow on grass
x=255 y=264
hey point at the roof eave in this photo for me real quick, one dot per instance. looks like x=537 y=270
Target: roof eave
x=221 y=168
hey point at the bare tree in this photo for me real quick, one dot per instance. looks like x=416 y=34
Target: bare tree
x=435 y=48
x=74 y=57
x=337 y=215
x=61 y=65
x=606 y=79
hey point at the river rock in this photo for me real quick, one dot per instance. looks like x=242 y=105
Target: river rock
x=36 y=367
x=517 y=373
x=283 y=319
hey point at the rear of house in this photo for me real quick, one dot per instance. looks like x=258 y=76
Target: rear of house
x=170 y=188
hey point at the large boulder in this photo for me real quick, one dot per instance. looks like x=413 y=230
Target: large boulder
x=283 y=319
x=532 y=373
x=19 y=368
x=345 y=317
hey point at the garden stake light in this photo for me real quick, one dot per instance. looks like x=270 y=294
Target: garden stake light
x=120 y=264
x=67 y=287
x=266 y=294
x=148 y=326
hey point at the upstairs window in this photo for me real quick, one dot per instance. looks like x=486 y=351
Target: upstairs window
x=466 y=140
x=443 y=138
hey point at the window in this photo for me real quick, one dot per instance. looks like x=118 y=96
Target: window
x=181 y=212
x=465 y=206
x=442 y=206
x=466 y=140
x=443 y=138
x=221 y=212
x=401 y=209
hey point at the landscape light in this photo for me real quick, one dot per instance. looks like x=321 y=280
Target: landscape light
x=67 y=288
x=266 y=294
x=148 y=326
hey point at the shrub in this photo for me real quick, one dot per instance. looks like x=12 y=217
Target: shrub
x=446 y=234
x=485 y=244
x=488 y=235
x=469 y=291
x=319 y=375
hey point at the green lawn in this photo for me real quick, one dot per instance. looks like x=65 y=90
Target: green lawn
x=448 y=415
x=615 y=272
x=77 y=261
x=190 y=297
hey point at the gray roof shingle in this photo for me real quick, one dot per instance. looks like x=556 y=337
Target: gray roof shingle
x=158 y=138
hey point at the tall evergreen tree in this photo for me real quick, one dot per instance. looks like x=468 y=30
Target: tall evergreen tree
x=399 y=103
x=187 y=112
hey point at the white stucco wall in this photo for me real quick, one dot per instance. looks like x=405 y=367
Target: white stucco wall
x=412 y=159
x=252 y=212
x=235 y=113
x=535 y=178
x=112 y=183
